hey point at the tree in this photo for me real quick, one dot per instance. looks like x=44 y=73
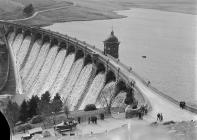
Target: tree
x=33 y=106
x=24 y=111
x=28 y=10
x=66 y=110
x=90 y=107
x=45 y=110
x=12 y=113
x=46 y=97
x=44 y=106
x=57 y=103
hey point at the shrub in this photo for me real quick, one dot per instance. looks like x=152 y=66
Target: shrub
x=37 y=119
x=28 y=10
x=90 y=107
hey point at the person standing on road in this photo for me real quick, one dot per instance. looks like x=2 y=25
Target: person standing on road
x=161 y=117
x=158 y=116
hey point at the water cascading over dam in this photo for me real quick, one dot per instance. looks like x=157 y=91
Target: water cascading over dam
x=31 y=59
x=107 y=93
x=55 y=68
x=58 y=84
x=71 y=79
x=36 y=67
x=94 y=90
x=43 y=63
x=79 y=87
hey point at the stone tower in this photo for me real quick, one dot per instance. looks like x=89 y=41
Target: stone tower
x=111 y=45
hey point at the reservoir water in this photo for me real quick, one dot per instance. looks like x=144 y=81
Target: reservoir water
x=167 y=39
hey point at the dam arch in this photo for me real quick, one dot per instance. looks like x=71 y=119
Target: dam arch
x=37 y=35
x=46 y=38
x=100 y=67
x=19 y=30
x=27 y=33
x=54 y=42
x=110 y=76
x=87 y=59
x=79 y=54
x=121 y=86
x=70 y=49
x=10 y=29
x=62 y=45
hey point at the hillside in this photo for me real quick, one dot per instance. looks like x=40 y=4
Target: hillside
x=50 y=11
x=9 y=6
x=12 y=9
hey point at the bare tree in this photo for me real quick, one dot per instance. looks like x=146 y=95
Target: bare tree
x=107 y=97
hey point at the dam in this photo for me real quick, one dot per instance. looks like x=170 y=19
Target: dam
x=60 y=64
x=42 y=60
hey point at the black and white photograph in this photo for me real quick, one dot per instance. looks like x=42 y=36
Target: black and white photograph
x=98 y=69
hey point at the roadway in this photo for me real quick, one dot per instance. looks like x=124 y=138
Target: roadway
x=159 y=104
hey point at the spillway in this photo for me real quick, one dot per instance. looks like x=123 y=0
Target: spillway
x=106 y=95
x=42 y=65
x=46 y=67
x=43 y=73
x=14 y=45
x=31 y=59
x=94 y=90
x=17 y=43
x=22 y=52
x=58 y=84
x=55 y=68
x=72 y=77
x=119 y=100
x=11 y=37
x=37 y=66
x=79 y=87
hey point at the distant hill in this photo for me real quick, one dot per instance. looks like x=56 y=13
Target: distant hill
x=41 y=4
x=9 y=6
x=13 y=9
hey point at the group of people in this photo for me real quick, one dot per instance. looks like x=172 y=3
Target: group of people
x=159 y=117
x=92 y=119
x=182 y=104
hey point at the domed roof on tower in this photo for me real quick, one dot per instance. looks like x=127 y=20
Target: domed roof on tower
x=112 y=38
x=111 y=45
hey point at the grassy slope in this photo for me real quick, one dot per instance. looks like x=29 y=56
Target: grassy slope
x=8 y=6
x=103 y=9
x=88 y=9
x=12 y=9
